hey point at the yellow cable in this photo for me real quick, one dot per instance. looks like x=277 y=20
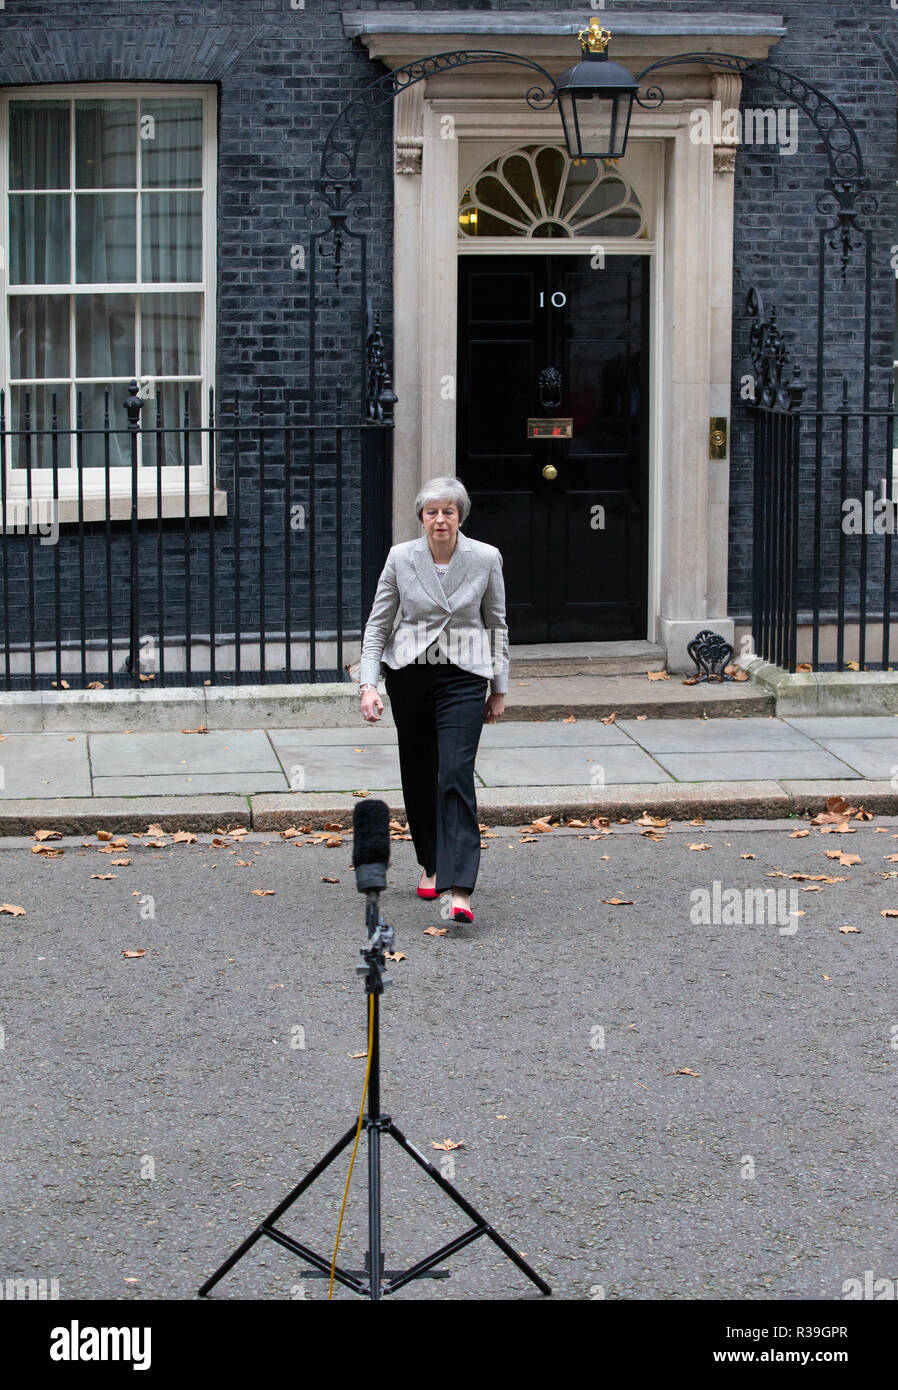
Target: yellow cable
x=374 y=1256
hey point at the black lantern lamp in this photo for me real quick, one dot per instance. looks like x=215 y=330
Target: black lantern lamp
x=595 y=98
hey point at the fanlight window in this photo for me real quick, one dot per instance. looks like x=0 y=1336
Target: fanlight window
x=539 y=191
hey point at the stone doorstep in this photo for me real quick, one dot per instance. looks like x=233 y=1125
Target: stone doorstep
x=584 y=659
x=515 y=806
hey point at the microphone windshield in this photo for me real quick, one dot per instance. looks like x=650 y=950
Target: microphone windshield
x=370 y=833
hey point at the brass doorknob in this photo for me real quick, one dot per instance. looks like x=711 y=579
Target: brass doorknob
x=550 y=472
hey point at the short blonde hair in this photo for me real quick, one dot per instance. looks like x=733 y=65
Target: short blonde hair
x=446 y=489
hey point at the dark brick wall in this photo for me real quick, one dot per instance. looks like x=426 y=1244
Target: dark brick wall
x=281 y=75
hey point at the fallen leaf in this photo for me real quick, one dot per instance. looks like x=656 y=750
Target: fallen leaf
x=120 y=863
x=95 y=685
x=156 y=830
x=850 y=929
x=354 y=1056
x=846 y=860
x=201 y=730
x=447 y=1145
x=542 y=826
x=262 y=892
x=804 y=666
x=12 y=909
x=610 y=718
x=658 y=675
x=656 y=821
x=799 y=834
x=889 y=912
x=619 y=902
x=57 y=835
x=62 y=685
x=640 y=717
x=570 y=719
x=132 y=955
x=746 y=856
x=395 y=956
x=436 y=931
x=104 y=835
x=104 y=876
x=700 y=846
x=838 y=809
x=45 y=850
x=330 y=880
x=184 y=837
x=685 y=1071
x=699 y=820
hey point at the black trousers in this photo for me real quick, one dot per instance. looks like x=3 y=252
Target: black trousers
x=438 y=711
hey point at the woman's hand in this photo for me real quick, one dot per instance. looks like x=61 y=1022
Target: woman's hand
x=372 y=705
x=494 y=706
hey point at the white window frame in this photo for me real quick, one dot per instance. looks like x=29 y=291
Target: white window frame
x=94 y=486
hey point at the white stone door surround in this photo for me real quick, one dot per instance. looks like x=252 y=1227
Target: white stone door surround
x=440 y=125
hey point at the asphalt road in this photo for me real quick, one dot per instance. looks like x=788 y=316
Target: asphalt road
x=155 y=1108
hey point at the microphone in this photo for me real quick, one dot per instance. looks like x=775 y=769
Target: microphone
x=370 y=845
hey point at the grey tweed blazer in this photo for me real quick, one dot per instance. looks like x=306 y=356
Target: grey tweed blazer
x=465 y=611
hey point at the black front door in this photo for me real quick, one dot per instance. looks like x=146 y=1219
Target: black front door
x=561 y=338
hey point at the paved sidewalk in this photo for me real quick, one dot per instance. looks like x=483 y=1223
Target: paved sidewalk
x=268 y=777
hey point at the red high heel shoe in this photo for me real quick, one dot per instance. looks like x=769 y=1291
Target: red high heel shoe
x=426 y=892
x=462 y=914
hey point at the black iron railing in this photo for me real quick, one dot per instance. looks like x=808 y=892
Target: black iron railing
x=825 y=590
x=231 y=551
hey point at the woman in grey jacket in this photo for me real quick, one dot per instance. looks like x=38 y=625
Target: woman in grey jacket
x=451 y=643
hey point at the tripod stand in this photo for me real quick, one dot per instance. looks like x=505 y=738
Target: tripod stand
x=373 y=1281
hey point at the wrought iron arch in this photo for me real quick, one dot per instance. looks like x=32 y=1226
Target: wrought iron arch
x=846 y=189
x=845 y=194
x=338 y=186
